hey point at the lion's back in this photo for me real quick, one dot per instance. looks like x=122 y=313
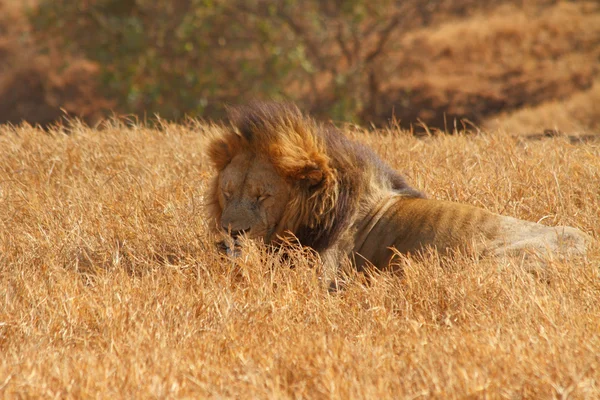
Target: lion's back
x=412 y=224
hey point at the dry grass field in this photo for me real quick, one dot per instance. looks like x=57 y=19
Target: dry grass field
x=111 y=287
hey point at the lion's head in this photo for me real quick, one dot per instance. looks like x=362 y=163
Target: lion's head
x=274 y=175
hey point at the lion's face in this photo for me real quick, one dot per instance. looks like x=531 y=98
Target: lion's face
x=252 y=197
x=274 y=179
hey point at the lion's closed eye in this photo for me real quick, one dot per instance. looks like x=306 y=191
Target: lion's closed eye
x=227 y=195
x=262 y=197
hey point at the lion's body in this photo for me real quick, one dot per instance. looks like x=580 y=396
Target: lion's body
x=411 y=224
x=280 y=173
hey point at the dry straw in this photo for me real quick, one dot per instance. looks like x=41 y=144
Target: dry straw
x=110 y=285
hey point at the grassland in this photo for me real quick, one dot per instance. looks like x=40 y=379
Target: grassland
x=110 y=286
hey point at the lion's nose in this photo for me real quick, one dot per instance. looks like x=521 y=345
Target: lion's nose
x=235 y=233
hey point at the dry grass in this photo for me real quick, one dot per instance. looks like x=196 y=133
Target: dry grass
x=578 y=114
x=500 y=61
x=110 y=285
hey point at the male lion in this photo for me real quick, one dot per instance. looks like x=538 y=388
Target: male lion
x=280 y=173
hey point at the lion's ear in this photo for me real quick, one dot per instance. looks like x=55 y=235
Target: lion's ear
x=311 y=175
x=301 y=161
x=222 y=150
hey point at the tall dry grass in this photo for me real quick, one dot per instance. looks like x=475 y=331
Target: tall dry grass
x=503 y=61
x=110 y=285
x=579 y=113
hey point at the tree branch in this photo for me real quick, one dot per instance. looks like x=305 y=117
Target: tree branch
x=385 y=35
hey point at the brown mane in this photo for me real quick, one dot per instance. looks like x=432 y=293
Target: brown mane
x=330 y=173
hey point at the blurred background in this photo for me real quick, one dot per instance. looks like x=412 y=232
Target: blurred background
x=520 y=65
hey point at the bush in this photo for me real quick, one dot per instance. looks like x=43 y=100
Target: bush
x=42 y=87
x=190 y=56
x=355 y=60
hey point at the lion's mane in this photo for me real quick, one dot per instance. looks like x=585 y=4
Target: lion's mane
x=329 y=173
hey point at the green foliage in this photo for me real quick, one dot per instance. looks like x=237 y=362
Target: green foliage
x=177 y=57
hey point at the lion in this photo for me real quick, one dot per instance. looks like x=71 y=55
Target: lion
x=280 y=174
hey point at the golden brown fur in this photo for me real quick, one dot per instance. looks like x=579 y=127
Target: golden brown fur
x=280 y=173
